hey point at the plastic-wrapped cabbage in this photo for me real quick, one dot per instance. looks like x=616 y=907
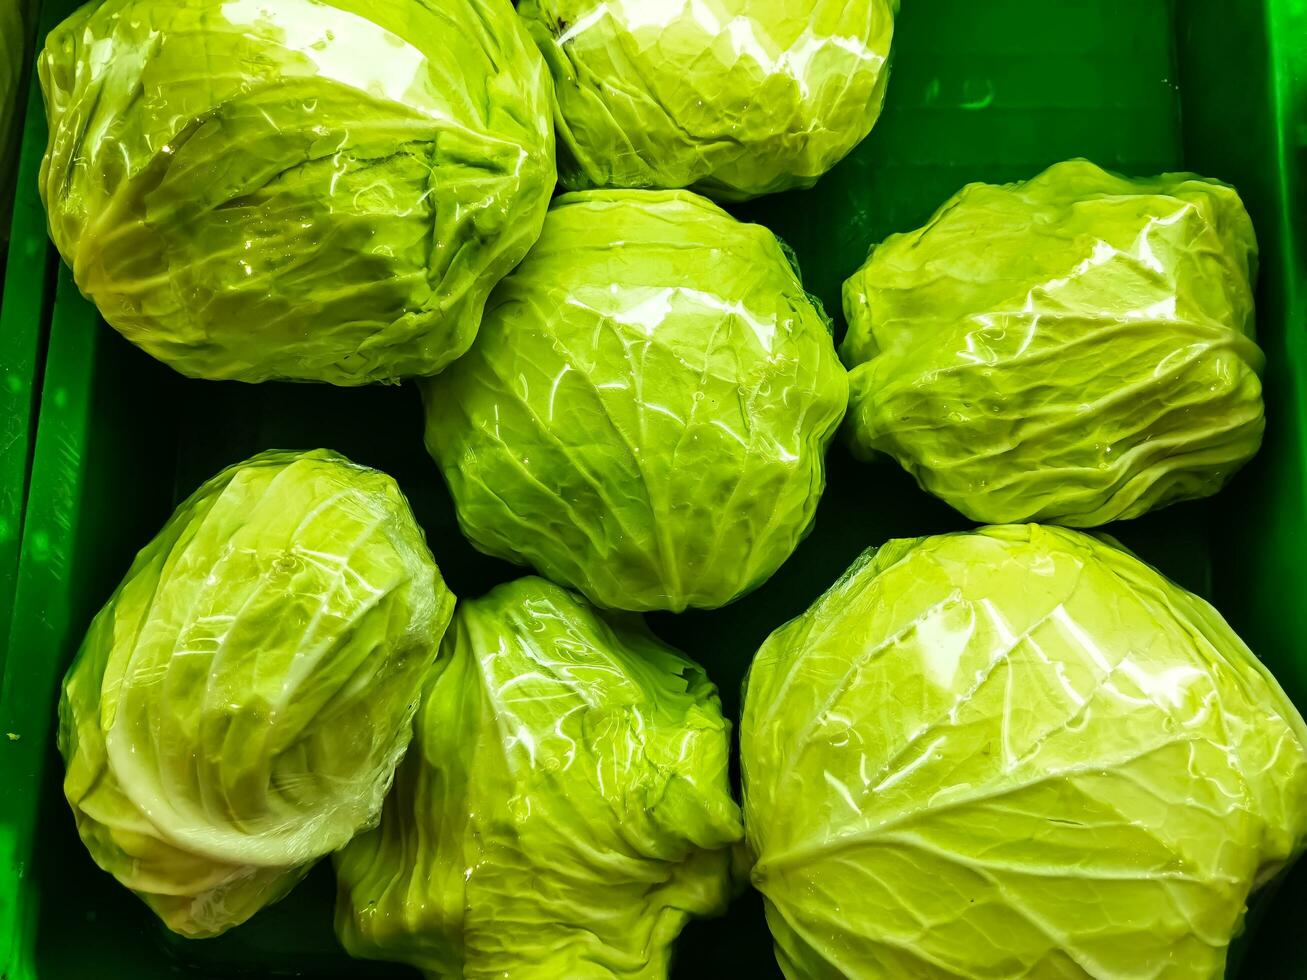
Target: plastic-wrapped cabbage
x=318 y=190
x=238 y=708
x=645 y=413
x=1076 y=349
x=564 y=808
x=734 y=98
x=1018 y=752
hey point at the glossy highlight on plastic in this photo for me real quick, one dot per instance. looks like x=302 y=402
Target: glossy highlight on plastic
x=238 y=707
x=731 y=98
x=1015 y=752
x=312 y=190
x=564 y=810
x=645 y=414
x=1075 y=349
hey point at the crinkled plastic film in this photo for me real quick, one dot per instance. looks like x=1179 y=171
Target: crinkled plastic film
x=320 y=190
x=565 y=807
x=239 y=706
x=645 y=414
x=1010 y=753
x=733 y=98
x=1076 y=349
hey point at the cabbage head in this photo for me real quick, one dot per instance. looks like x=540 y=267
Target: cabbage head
x=645 y=414
x=317 y=190
x=733 y=98
x=1017 y=752
x=238 y=708
x=564 y=808
x=1076 y=349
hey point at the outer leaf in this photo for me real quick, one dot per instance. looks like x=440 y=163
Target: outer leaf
x=238 y=708
x=645 y=414
x=734 y=98
x=1017 y=752
x=308 y=189
x=565 y=808
x=1076 y=349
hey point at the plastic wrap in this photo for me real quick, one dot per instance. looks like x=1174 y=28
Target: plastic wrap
x=1076 y=349
x=734 y=98
x=320 y=190
x=645 y=413
x=1018 y=752
x=238 y=708
x=564 y=809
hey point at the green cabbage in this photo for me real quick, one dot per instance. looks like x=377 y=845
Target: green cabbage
x=564 y=808
x=238 y=708
x=1076 y=349
x=734 y=98
x=645 y=412
x=319 y=190
x=1018 y=752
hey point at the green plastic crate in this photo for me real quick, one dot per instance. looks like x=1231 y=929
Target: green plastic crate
x=991 y=90
x=28 y=269
x=29 y=266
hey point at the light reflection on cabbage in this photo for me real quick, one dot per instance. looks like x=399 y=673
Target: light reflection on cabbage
x=645 y=413
x=238 y=707
x=1018 y=752
x=1075 y=349
x=317 y=190
x=733 y=98
x=564 y=808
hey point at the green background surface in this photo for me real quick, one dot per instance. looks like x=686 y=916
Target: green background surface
x=29 y=264
x=980 y=91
